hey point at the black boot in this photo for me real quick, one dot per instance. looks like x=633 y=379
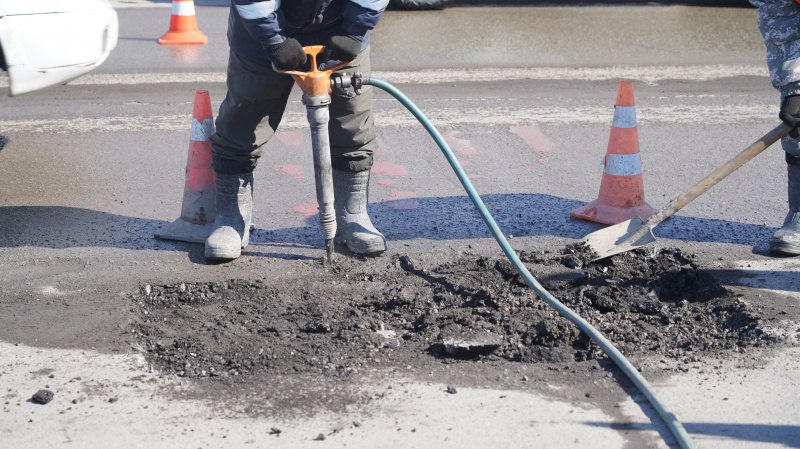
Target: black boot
x=353 y=225
x=234 y=213
x=786 y=240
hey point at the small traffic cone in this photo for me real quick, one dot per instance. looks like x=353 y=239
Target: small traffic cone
x=199 y=208
x=622 y=187
x=183 y=25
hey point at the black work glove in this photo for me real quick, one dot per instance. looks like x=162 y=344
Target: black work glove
x=790 y=113
x=342 y=48
x=288 y=55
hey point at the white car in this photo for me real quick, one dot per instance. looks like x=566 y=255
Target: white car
x=48 y=42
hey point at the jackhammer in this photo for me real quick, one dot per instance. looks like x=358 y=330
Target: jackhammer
x=317 y=86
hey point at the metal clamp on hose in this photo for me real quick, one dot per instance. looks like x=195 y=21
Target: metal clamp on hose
x=345 y=81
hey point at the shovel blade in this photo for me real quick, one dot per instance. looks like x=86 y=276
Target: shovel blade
x=618 y=238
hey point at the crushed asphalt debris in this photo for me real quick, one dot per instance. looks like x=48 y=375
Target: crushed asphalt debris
x=394 y=311
x=42 y=397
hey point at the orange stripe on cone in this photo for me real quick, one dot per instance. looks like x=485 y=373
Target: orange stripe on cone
x=625 y=94
x=621 y=194
x=198 y=209
x=183 y=25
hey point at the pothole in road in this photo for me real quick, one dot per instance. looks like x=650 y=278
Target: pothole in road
x=395 y=312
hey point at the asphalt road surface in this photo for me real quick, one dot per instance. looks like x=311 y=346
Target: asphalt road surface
x=523 y=95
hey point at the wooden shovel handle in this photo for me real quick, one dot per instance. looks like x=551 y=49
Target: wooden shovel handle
x=719 y=174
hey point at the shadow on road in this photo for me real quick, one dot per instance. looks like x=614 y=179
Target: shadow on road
x=773 y=279
x=787 y=435
x=68 y=227
x=435 y=218
x=525 y=215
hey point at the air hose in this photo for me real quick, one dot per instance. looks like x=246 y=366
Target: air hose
x=675 y=427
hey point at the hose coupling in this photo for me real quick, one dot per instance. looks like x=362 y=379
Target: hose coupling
x=345 y=81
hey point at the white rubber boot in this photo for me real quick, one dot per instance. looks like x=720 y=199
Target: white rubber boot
x=353 y=226
x=234 y=213
x=786 y=240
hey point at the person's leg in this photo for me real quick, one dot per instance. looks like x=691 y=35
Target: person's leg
x=786 y=240
x=353 y=142
x=255 y=92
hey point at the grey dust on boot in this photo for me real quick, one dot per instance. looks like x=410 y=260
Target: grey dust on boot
x=231 y=232
x=353 y=226
x=786 y=240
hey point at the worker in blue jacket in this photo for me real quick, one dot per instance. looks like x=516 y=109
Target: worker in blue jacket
x=779 y=22
x=267 y=33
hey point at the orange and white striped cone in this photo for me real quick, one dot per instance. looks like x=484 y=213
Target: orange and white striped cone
x=199 y=207
x=183 y=25
x=622 y=187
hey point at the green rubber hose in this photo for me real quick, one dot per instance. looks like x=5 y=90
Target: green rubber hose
x=613 y=353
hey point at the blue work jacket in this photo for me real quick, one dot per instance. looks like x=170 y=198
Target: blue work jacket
x=254 y=25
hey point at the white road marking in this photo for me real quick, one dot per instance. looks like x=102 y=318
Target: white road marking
x=441 y=117
x=645 y=74
x=398 y=117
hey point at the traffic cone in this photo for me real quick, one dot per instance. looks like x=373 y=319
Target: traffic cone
x=199 y=208
x=622 y=187
x=183 y=25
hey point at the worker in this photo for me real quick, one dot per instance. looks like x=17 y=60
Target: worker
x=779 y=22
x=267 y=33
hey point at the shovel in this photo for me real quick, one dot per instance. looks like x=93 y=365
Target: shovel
x=634 y=233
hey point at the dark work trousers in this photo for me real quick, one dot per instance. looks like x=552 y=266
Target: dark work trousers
x=258 y=94
x=790 y=145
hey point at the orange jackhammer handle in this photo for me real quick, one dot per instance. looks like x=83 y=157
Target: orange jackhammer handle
x=316 y=83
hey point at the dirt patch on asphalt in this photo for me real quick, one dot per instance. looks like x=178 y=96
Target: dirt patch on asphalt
x=399 y=311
